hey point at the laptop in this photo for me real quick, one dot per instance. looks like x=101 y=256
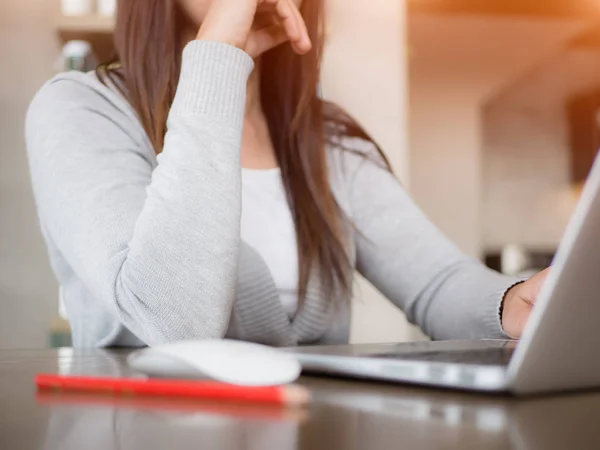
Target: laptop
x=559 y=349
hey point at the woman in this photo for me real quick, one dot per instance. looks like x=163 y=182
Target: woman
x=186 y=245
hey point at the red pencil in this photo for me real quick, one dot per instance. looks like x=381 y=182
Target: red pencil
x=282 y=395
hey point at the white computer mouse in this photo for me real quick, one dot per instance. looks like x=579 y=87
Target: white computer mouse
x=226 y=361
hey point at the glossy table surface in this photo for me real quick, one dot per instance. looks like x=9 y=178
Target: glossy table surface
x=344 y=415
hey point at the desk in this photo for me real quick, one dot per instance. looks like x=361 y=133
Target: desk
x=346 y=415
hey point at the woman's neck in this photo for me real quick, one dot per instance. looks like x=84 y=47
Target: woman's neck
x=257 y=148
x=253 y=100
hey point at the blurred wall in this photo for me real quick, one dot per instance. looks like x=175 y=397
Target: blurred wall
x=528 y=196
x=528 y=193
x=365 y=71
x=28 y=293
x=445 y=160
x=458 y=63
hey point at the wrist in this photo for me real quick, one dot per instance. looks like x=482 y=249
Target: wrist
x=218 y=37
x=505 y=305
x=213 y=82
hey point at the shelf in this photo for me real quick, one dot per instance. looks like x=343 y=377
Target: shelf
x=86 y=24
x=97 y=30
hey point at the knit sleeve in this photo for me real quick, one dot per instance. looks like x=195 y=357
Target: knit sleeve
x=449 y=295
x=157 y=246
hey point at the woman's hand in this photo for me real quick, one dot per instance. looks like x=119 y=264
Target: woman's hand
x=234 y=22
x=519 y=302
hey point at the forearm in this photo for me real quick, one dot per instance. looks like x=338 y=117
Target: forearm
x=461 y=302
x=406 y=257
x=157 y=247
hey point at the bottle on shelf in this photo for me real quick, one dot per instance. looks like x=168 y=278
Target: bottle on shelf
x=107 y=8
x=77 y=55
x=77 y=7
x=80 y=8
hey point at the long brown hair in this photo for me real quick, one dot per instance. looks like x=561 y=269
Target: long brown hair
x=148 y=52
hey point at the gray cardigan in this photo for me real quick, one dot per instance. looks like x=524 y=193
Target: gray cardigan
x=147 y=250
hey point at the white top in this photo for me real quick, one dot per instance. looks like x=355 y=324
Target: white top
x=268 y=227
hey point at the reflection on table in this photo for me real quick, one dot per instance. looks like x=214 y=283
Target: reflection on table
x=345 y=415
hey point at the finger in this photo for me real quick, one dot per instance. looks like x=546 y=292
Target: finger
x=515 y=318
x=291 y=21
x=287 y=19
x=522 y=320
x=266 y=39
x=304 y=43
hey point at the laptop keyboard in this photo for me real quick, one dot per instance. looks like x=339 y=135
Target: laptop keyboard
x=485 y=357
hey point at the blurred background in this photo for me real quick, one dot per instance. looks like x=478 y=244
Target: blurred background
x=488 y=111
